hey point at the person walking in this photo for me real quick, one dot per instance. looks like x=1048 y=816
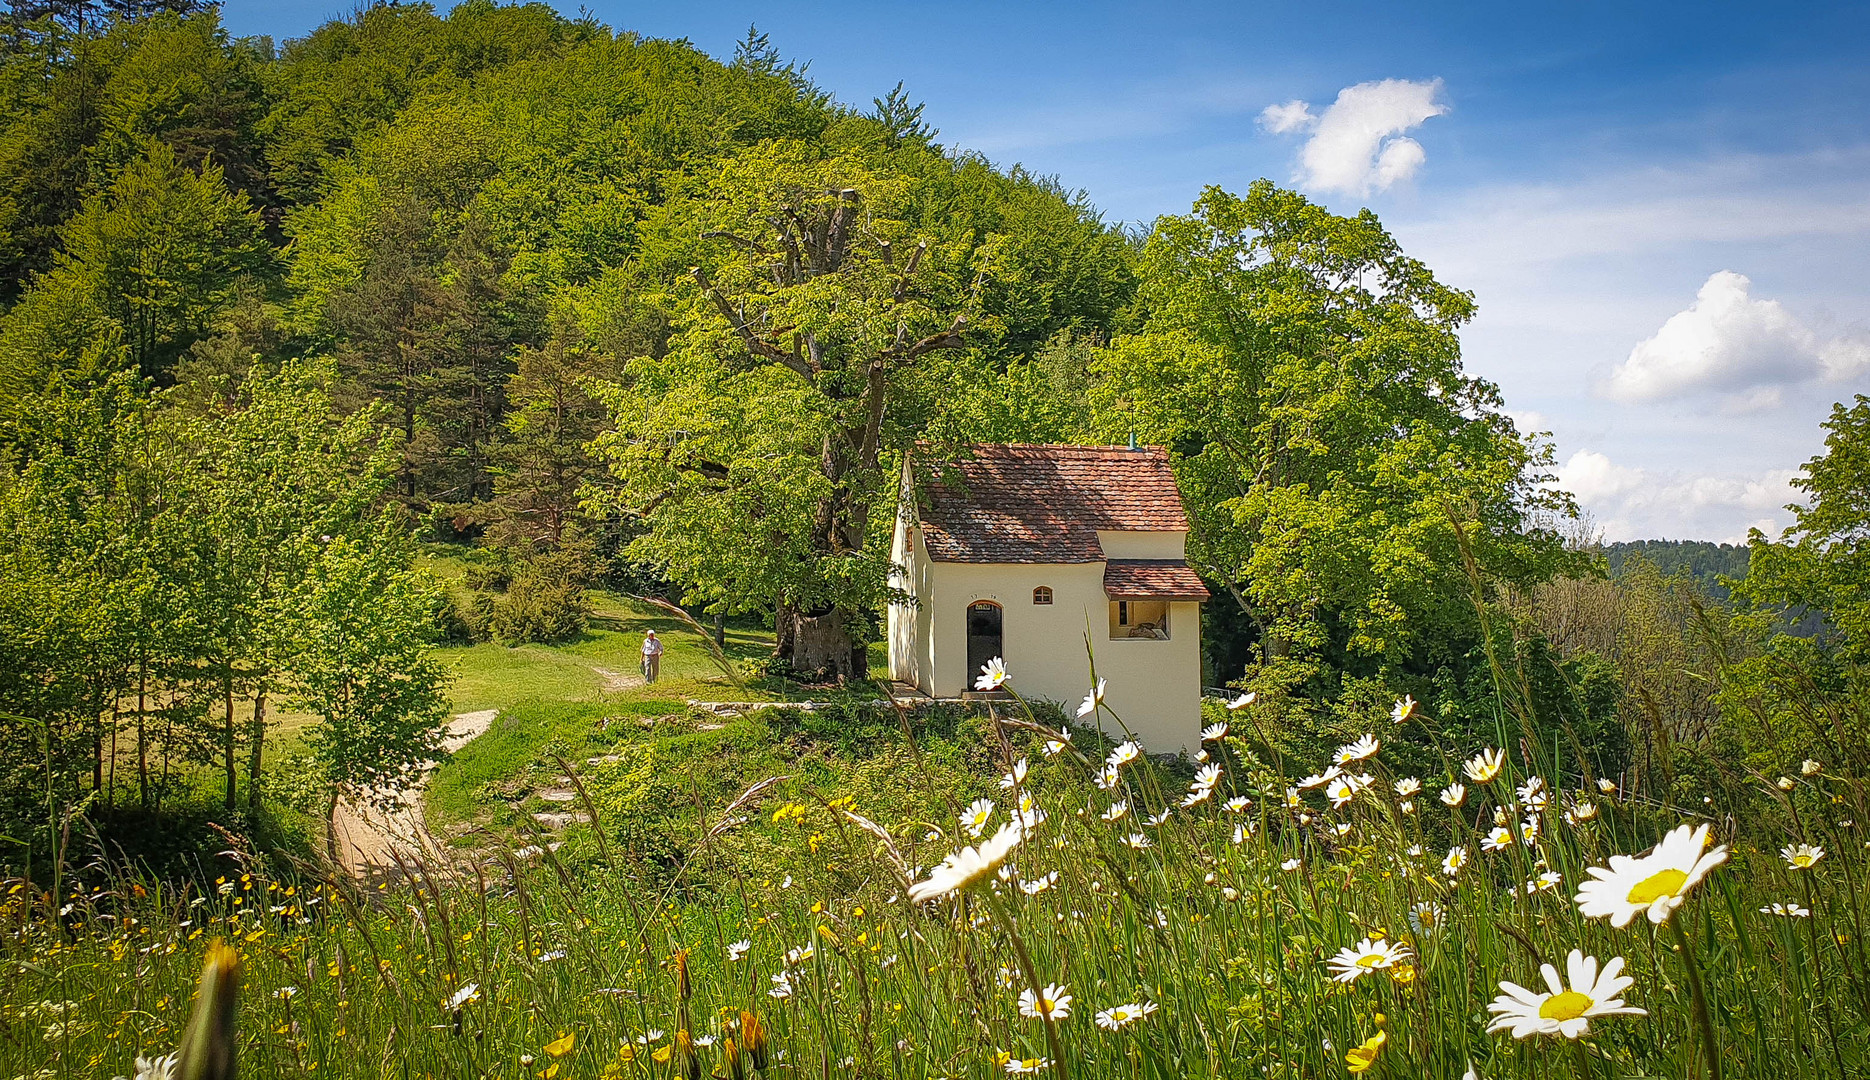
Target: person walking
x=652 y=656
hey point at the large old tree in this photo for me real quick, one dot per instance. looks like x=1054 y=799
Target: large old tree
x=754 y=451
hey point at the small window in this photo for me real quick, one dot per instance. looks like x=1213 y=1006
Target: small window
x=1042 y=595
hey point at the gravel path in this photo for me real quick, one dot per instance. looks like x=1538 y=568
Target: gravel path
x=367 y=836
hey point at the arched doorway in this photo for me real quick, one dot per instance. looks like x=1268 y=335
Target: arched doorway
x=983 y=637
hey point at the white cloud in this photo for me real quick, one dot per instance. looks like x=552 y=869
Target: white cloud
x=1631 y=503
x=1357 y=144
x=1728 y=342
x=1292 y=116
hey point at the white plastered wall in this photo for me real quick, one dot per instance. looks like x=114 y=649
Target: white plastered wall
x=912 y=642
x=1155 y=686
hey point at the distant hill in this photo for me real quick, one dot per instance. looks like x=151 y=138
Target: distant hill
x=1705 y=561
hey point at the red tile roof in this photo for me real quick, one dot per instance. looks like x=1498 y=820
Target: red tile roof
x=1036 y=503
x=1152 y=579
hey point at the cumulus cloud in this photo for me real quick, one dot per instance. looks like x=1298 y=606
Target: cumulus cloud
x=1357 y=144
x=1728 y=342
x=1632 y=503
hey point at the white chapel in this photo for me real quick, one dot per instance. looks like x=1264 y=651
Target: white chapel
x=1022 y=550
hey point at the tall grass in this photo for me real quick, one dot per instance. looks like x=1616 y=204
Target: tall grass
x=1222 y=916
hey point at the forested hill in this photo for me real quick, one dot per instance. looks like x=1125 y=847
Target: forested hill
x=1705 y=561
x=426 y=198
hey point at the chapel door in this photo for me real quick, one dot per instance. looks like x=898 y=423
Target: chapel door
x=983 y=637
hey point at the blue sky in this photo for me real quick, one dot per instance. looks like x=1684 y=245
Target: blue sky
x=1664 y=210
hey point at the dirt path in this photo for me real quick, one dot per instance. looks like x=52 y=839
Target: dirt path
x=616 y=681
x=366 y=836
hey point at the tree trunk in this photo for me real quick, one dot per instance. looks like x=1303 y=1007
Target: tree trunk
x=720 y=627
x=782 y=629
x=227 y=736
x=822 y=642
x=142 y=732
x=256 y=732
x=331 y=830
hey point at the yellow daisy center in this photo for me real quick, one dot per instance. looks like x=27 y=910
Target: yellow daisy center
x=1801 y=860
x=1658 y=885
x=1569 y=1005
x=1369 y=960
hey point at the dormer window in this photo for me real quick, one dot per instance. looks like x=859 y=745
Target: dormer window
x=1042 y=595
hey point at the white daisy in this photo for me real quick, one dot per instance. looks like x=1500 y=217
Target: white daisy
x=967 y=866
x=782 y=986
x=1038 y=885
x=1456 y=860
x=1123 y=755
x=1207 y=776
x=1238 y=803
x=992 y=675
x=1426 y=917
x=975 y=818
x=1052 y=1003
x=1027 y=1066
x=161 y=1067
x=1116 y=812
x=1154 y=820
x=1196 y=796
x=1403 y=710
x=1340 y=792
x=1017 y=776
x=1484 y=766
x=1357 y=751
x=738 y=949
x=1654 y=884
x=1118 y=1017
x=1801 y=856
x=1499 y=838
x=1543 y=883
x=1243 y=701
x=1137 y=840
x=1290 y=865
x=1108 y=778
x=1608 y=787
x=462 y=996
x=1091 y=700
x=1355 y=961
x=1213 y=733
x=1810 y=768
x=1563 y=1011
x=1454 y=795
x=1790 y=911
x=1408 y=786
x=1332 y=772
x=1532 y=786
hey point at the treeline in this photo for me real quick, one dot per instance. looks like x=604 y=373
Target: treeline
x=1710 y=564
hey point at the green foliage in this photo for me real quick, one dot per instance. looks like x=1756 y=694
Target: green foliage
x=149 y=262
x=545 y=600
x=364 y=668
x=1347 y=479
